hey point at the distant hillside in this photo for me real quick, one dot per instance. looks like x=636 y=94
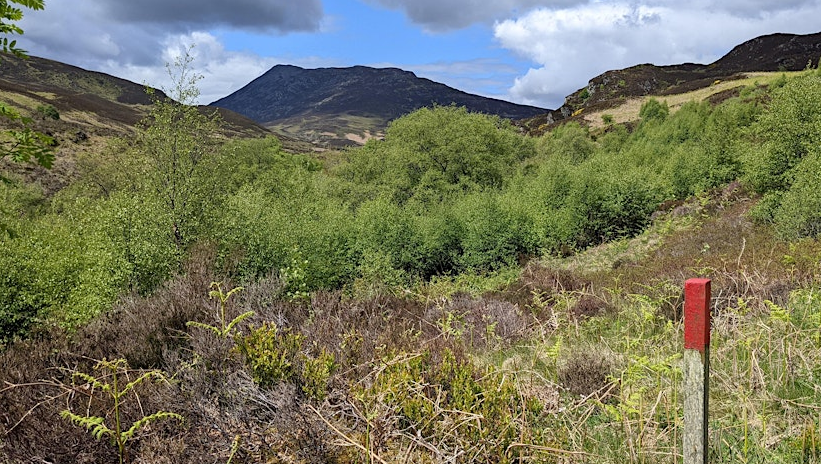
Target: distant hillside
x=70 y=88
x=93 y=107
x=346 y=105
x=94 y=101
x=775 y=52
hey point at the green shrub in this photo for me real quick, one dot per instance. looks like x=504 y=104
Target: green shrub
x=48 y=112
x=388 y=229
x=784 y=168
x=654 y=110
x=271 y=353
x=431 y=399
x=493 y=235
x=143 y=237
x=316 y=373
x=764 y=211
x=253 y=232
x=20 y=303
x=799 y=212
x=60 y=268
x=440 y=234
x=569 y=141
x=294 y=278
x=606 y=205
x=262 y=233
x=434 y=152
x=247 y=161
x=276 y=355
x=790 y=129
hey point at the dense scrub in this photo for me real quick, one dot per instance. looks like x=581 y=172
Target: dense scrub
x=363 y=345
x=446 y=192
x=559 y=362
x=785 y=170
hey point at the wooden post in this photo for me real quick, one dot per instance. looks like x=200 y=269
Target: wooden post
x=696 y=369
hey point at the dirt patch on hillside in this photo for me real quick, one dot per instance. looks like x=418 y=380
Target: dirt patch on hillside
x=361 y=139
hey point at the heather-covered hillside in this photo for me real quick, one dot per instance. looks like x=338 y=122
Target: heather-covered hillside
x=456 y=292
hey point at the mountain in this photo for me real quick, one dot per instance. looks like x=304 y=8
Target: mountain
x=90 y=109
x=774 y=52
x=72 y=89
x=92 y=101
x=343 y=106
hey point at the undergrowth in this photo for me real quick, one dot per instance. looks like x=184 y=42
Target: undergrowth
x=550 y=364
x=411 y=319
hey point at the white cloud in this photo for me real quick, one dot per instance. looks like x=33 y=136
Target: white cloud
x=96 y=35
x=81 y=33
x=572 y=45
x=86 y=32
x=222 y=71
x=442 y=15
x=567 y=42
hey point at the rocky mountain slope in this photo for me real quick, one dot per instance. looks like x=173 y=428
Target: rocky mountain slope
x=774 y=52
x=346 y=105
x=82 y=110
x=95 y=102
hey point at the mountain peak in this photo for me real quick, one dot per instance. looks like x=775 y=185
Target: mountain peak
x=356 y=100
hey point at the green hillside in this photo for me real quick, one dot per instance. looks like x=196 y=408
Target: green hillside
x=456 y=292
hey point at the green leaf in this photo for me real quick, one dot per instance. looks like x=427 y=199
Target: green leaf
x=128 y=434
x=216 y=330
x=156 y=374
x=95 y=424
x=32 y=4
x=237 y=320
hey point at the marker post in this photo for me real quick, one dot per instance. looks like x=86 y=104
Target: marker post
x=696 y=369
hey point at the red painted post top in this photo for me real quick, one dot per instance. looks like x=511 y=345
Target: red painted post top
x=697 y=314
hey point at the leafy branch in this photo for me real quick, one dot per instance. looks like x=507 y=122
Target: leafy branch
x=8 y=15
x=25 y=144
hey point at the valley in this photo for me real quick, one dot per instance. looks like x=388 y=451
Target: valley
x=401 y=281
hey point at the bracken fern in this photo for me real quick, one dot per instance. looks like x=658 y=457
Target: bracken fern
x=113 y=390
x=225 y=327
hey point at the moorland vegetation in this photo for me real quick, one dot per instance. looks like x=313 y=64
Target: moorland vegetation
x=457 y=292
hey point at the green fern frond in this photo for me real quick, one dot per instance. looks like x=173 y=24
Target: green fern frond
x=129 y=386
x=112 y=366
x=237 y=320
x=216 y=293
x=234 y=448
x=136 y=426
x=232 y=291
x=100 y=429
x=89 y=379
x=216 y=330
x=95 y=424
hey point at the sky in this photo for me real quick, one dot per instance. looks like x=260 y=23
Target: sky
x=532 y=52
